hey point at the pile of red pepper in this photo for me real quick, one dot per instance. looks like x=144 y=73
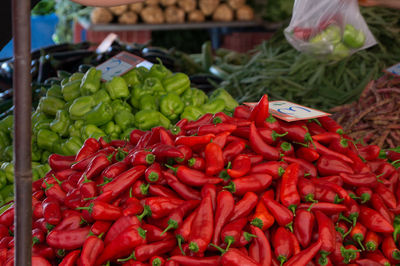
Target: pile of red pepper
x=241 y=190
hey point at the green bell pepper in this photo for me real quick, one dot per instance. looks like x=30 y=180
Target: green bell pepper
x=137 y=93
x=62 y=74
x=117 y=88
x=61 y=123
x=8 y=168
x=352 y=37
x=3 y=178
x=127 y=132
x=91 y=81
x=44 y=124
x=171 y=106
x=8 y=153
x=101 y=114
x=148 y=102
x=124 y=119
x=194 y=97
x=118 y=106
x=192 y=113
x=54 y=91
x=47 y=139
x=35 y=174
x=64 y=81
x=76 y=76
x=147 y=119
x=7 y=193
x=75 y=129
x=50 y=105
x=153 y=85
x=36 y=152
x=230 y=102
x=38 y=116
x=101 y=96
x=164 y=121
x=178 y=83
x=71 y=90
x=45 y=156
x=159 y=71
x=92 y=131
x=214 y=106
x=81 y=106
x=111 y=129
x=71 y=146
x=132 y=78
x=7 y=123
x=142 y=72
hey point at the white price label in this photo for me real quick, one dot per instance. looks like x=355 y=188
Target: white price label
x=395 y=70
x=120 y=64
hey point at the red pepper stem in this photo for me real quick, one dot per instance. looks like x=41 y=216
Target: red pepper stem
x=217 y=120
x=290 y=226
x=35 y=240
x=150 y=158
x=286 y=146
x=257 y=222
x=231 y=187
x=131 y=257
x=48 y=186
x=58 y=181
x=396 y=255
x=175 y=169
x=172 y=224
x=144 y=189
x=282 y=259
x=348 y=254
x=146 y=212
x=365 y=197
x=191 y=162
x=359 y=238
x=342 y=217
x=175 y=130
x=370 y=246
x=89 y=208
x=248 y=236
x=310 y=198
x=229 y=240
x=270 y=119
x=156 y=262
x=193 y=247
x=292 y=208
x=223 y=251
x=322 y=261
x=153 y=177
x=130 y=192
x=92 y=198
x=180 y=239
x=275 y=135
x=312 y=204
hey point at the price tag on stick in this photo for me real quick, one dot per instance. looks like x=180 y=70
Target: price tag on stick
x=120 y=64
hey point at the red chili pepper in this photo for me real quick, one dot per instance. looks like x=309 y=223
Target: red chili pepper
x=374 y=221
x=265 y=254
x=71 y=222
x=7 y=217
x=135 y=135
x=240 y=166
x=166 y=137
x=95 y=167
x=224 y=210
x=232 y=150
x=325 y=207
x=387 y=195
x=260 y=147
x=305 y=256
x=193 y=261
x=183 y=190
x=176 y=216
x=358 y=180
x=216 y=128
x=306 y=167
x=144 y=140
x=270 y=136
x=37 y=236
x=289 y=195
x=282 y=245
x=123 y=245
x=255 y=159
x=358 y=233
x=102 y=211
x=202 y=226
x=88 y=189
x=159 y=207
x=100 y=227
x=330 y=125
x=369 y=152
x=327 y=137
x=252 y=183
x=283 y=216
x=212 y=190
x=60 y=162
x=303 y=226
x=285 y=148
x=329 y=165
x=242 y=111
x=161 y=191
x=364 y=193
x=214 y=159
x=322 y=150
x=367 y=262
x=261 y=217
x=378 y=257
x=145 y=252
x=371 y=241
x=187 y=154
x=123 y=181
x=193 y=140
x=221 y=139
x=260 y=112
x=197 y=163
x=51 y=211
x=390 y=249
x=163 y=152
x=307 y=190
x=154 y=233
x=69 y=240
x=234 y=257
x=89 y=147
x=307 y=154
x=341 y=145
x=274 y=168
x=178 y=128
x=70 y=259
x=392 y=155
x=296 y=132
x=203 y=120
x=157 y=261
x=193 y=177
x=91 y=250
x=141 y=157
x=54 y=190
x=378 y=204
x=326 y=232
x=231 y=232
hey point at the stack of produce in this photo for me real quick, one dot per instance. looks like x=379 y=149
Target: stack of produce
x=174 y=11
x=375 y=117
x=241 y=190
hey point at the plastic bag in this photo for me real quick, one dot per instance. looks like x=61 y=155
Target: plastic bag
x=328 y=28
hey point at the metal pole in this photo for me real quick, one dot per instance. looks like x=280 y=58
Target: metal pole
x=22 y=131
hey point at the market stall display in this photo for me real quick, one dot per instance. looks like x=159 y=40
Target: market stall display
x=159 y=12
x=220 y=190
